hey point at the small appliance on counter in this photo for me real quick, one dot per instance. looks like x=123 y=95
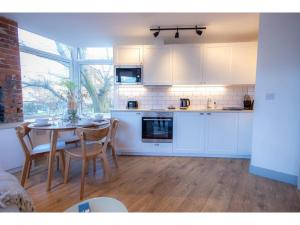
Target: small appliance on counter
x=184 y=103
x=248 y=102
x=132 y=105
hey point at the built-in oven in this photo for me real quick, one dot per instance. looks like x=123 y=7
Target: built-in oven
x=128 y=74
x=157 y=127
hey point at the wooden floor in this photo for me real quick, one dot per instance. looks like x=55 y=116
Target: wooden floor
x=170 y=184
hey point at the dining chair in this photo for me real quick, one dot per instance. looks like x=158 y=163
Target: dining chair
x=112 y=139
x=35 y=152
x=91 y=146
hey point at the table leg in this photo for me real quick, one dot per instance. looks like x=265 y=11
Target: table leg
x=54 y=134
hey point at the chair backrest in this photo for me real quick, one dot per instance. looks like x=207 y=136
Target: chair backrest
x=23 y=134
x=114 y=126
x=94 y=135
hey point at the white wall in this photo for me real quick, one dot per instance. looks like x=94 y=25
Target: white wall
x=11 y=154
x=276 y=128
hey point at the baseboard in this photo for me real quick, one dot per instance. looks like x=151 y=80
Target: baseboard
x=177 y=154
x=274 y=175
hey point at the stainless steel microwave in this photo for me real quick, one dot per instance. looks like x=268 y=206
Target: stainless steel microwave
x=128 y=74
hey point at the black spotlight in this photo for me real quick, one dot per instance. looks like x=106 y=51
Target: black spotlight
x=177 y=34
x=156 y=33
x=199 y=32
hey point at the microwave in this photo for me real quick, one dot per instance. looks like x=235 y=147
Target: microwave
x=128 y=74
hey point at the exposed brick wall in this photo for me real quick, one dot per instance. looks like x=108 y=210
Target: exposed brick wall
x=11 y=103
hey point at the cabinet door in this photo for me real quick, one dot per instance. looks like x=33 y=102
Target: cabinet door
x=128 y=55
x=221 y=133
x=186 y=61
x=189 y=132
x=245 y=133
x=217 y=64
x=244 y=63
x=157 y=65
x=128 y=136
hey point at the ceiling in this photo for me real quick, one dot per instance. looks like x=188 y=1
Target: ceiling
x=102 y=29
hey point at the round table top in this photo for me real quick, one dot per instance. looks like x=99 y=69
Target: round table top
x=66 y=126
x=101 y=204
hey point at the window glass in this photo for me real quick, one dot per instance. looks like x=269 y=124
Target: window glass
x=95 y=53
x=41 y=43
x=96 y=88
x=43 y=91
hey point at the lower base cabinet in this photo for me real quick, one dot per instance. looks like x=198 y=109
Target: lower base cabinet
x=194 y=133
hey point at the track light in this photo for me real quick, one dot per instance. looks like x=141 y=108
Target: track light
x=177 y=34
x=198 y=29
x=155 y=34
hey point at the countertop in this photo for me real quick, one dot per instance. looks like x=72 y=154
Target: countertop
x=182 y=110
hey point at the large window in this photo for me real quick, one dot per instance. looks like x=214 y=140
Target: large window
x=96 y=79
x=46 y=65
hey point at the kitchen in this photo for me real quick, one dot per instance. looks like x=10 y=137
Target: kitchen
x=160 y=77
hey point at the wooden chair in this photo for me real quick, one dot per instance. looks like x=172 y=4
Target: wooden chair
x=33 y=153
x=111 y=144
x=91 y=147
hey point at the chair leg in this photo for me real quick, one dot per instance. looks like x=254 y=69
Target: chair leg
x=87 y=165
x=114 y=155
x=94 y=165
x=84 y=162
x=25 y=171
x=28 y=172
x=63 y=160
x=57 y=162
x=67 y=167
x=106 y=166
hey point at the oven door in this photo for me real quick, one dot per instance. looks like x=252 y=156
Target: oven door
x=157 y=129
x=128 y=75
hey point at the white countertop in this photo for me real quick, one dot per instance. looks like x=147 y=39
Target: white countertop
x=181 y=110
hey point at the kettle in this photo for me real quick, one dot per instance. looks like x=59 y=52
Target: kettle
x=184 y=103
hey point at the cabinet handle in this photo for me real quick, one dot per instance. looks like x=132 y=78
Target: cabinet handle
x=208 y=113
x=138 y=113
x=201 y=114
x=156 y=145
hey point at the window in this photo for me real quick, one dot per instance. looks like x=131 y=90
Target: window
x=44 y=70
x=96 y=88
x=96 y=80
x=35 y=41
x=42 y=79
x=96 y=53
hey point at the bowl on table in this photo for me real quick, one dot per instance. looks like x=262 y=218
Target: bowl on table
x=41 y=121
x=98 y=117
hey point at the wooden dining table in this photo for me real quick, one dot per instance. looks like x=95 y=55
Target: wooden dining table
x=54 y=129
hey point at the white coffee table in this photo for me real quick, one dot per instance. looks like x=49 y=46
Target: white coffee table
x=101 y=204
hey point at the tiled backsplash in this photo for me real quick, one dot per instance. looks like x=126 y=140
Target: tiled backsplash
x=161 y=97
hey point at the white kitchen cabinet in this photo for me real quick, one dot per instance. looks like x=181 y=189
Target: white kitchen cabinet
x=243 y=68
x=129 y=133
x=157 y=65
x=217 y=64
x=244 y=133
x=189 y=131
x=221 y=133
x=186 y=60
x=128 y=55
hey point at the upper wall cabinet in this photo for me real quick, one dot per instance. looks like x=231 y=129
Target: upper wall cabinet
x=128 y=55
x=230 y=63
x=243 y=67
x=217 y=64
x=157 y=65
x=187 y=64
